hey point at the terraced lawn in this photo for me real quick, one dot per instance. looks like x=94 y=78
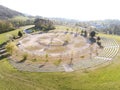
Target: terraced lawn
x=104 y=78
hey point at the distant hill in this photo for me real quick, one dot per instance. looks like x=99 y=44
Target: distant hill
x=6 y=13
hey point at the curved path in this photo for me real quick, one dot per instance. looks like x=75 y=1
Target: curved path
x=106 y=55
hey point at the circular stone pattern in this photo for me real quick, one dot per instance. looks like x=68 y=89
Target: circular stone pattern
x=61 y=51
x=53 y=44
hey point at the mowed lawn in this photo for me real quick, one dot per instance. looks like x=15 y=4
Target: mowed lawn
x=104 y=78
x=5 y=36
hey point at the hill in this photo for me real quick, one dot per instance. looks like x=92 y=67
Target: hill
x=6 y=13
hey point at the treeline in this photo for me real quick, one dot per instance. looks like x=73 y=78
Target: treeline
x=105 y=26
x=111 y=29
x=108 y=26
x=8 y=25
x=40 y=24
x=18 y=23
x=43 y=24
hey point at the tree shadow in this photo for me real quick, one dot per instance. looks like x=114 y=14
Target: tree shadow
x=43 y=64
x=4 y=56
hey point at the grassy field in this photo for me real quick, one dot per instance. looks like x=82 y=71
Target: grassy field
x=5 y=36
x=65 y=28
x=21 y=18
x=104 y=78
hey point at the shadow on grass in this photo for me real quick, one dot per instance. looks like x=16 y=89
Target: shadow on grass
x=43 y=64
x=21 y=61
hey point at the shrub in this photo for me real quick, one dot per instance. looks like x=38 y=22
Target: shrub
x=67 y=29
x=11 y=47
x=24 y=56
x=34 y=60
x=82 y=56
x=57 y=62
x=46 y=57
x=67 y=37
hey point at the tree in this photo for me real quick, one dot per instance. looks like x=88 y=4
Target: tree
x=98 y=38
x=42 y=24
x=82 y=32
x=19 y=34
x=92 y=34
x=85 y=33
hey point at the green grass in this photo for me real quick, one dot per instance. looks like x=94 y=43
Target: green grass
x=5 y=36
x=64 y=28
x=104 y=78
x=21 y=18
x=116 y=37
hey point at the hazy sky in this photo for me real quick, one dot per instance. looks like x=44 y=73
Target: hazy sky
x=74 y=9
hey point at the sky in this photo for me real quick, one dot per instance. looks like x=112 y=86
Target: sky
x=71 y=9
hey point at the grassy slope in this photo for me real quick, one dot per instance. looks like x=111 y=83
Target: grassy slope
x=22 y=18
x=106 y=78
x=5 y=36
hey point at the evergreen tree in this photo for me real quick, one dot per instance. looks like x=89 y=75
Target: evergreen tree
x=92 y=34
x=19 y=34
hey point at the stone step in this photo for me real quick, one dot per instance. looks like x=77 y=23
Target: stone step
x=3 y=51
x=2 y=48
x=67 y=68
x=109 y=52
x=4 y=55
